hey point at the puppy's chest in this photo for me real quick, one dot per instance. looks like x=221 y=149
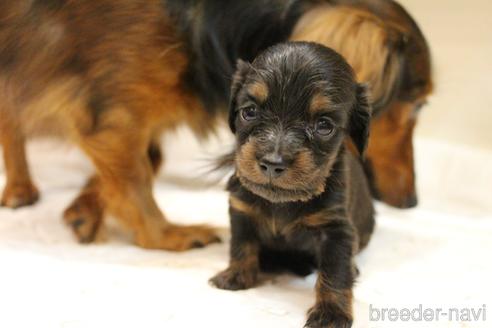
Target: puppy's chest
x=282 y=227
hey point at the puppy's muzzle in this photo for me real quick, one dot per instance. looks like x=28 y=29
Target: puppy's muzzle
x=273 y=165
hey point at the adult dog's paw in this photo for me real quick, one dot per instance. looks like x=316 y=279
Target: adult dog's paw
x=84 y=216
x=18 y=195
x=179 y=238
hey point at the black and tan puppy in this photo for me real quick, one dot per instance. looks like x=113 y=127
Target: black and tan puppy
x=297 y=197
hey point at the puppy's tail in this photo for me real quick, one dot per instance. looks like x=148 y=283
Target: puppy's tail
x=216 y=169
x=224 y=162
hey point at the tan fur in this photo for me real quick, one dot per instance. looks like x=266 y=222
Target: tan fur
x=376 y=38
x=341 y=299
x=303 y=175
x=246 y=163
x=319 y=102
x=390 y=150
x=361 y=37
x=323 y=217
x=258 y=90
x=241 y=206
x=329 y=297
x=85 y=214
x=19 y=190
x=63 y=70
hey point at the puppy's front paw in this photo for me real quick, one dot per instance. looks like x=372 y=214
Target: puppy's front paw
x=18 y=195
x=235 y=279
x=326 y=317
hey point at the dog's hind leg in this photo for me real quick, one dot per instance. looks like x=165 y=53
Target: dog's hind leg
x=19 y=189
x=126 y=176
x=85 y=214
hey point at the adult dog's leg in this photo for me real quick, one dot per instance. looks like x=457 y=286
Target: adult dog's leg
x=126 y=175
x=19 y=189
x=85 y=214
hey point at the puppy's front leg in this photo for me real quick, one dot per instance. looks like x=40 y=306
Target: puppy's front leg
x=333 y=306
x=242 y=272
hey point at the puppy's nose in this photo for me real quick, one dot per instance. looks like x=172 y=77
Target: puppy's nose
x=273 y=165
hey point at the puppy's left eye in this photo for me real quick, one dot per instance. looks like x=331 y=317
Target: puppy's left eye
x=324 y=127
x=249 y=113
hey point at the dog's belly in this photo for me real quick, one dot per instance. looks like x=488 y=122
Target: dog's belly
x=295 y=255
x=50 y=112
x=282 y=250
x=73 y=77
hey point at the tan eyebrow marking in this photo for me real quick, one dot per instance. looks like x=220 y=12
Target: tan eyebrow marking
x=259 y=90
x=319 y=102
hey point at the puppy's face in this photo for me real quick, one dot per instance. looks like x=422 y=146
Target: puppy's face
x=291 y=109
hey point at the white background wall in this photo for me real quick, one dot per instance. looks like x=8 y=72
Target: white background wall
x=460 y=36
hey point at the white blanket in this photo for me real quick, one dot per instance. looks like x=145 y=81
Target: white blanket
x=436 y=255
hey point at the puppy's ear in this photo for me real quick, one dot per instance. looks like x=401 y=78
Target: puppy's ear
x=360 y=119
x=242 y=69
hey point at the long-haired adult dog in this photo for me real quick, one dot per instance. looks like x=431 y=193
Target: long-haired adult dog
x=296 y=193
x=111 y=75
x=378 y=38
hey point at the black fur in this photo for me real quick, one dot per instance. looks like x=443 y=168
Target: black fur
x=217 y=33
x=360 y=120
x=284 y=224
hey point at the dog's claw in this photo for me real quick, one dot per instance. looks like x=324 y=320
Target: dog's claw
x=197 y=244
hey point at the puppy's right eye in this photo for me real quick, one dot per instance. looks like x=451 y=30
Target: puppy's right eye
x=324 y=127
x=249 y=113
